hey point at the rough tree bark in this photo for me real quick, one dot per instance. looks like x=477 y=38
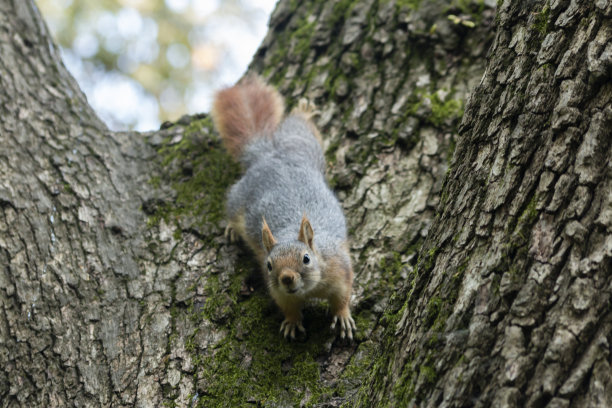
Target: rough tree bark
x=117 y=287
x=511 y=305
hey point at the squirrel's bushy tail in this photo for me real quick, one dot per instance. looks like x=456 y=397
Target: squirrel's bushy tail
x=246 y=110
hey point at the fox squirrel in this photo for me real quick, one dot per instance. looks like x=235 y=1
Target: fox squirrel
x=282 y=206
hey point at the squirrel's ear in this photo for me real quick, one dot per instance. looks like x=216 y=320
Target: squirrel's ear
x=266 y=236
x=306 y=234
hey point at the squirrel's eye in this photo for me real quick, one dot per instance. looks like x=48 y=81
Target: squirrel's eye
x=269 y=266
x=306 y=259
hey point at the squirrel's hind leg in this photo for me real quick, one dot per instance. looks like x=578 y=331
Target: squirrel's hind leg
x=234 y=207
x=307 y=110
x=230 y=234
x=236 y=228
x=236 y=231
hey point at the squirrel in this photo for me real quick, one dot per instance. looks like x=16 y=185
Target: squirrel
x=282 y=206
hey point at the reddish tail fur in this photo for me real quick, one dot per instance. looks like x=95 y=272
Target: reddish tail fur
x=245 y=110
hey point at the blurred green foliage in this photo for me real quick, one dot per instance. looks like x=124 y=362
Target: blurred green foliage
x=142 y=62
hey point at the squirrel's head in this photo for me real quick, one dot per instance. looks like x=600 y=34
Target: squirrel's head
x=293 y=267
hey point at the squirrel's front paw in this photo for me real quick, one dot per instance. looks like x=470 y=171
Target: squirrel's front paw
x=347 y=326
x=288 y=328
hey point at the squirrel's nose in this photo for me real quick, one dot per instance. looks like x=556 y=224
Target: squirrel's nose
x=287 y=280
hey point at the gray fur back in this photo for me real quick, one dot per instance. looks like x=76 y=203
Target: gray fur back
x=285 y=179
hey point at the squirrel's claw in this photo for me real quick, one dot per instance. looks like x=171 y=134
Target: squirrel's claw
x=288 y=328
x=306 y=108
x=347 y=326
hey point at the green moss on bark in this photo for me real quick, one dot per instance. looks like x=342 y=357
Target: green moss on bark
x=412 y=4
x=254 y=363
x=541 y=20
x=199 y=170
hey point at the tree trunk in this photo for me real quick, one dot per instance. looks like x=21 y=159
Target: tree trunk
x=511 y=303
x=118 y=288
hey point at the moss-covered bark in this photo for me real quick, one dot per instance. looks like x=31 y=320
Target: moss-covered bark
x=513 y=287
